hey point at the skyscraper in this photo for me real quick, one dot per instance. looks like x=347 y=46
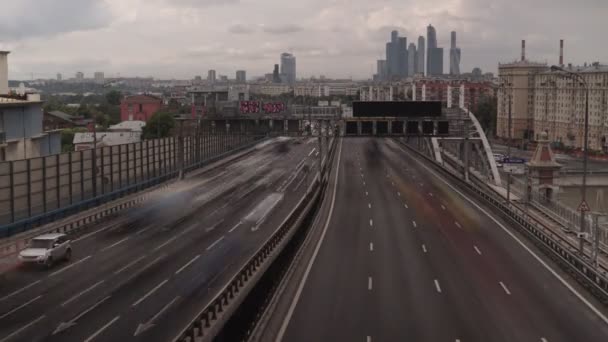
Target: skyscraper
x=454 y=55
x=241 y=76
x=412 y=59
x=402 y=57
x=211 y=76
x=381 y=70
x=392 y=56
x=434 y=59
x=421 y=55
x=288 y=67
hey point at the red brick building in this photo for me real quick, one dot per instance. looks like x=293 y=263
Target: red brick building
x=139 y=107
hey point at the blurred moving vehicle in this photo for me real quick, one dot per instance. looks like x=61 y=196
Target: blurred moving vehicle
x=47 y=249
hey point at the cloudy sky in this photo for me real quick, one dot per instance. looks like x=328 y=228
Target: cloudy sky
x=336 y=38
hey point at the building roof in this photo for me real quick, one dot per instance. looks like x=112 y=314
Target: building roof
x=61 y=115
x=107 y=138
x=133 y=126
x=144 y=98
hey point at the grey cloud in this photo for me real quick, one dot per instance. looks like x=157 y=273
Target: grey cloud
x=32 y=18
x=282 y=29
x=200 y=3
x=241 y=29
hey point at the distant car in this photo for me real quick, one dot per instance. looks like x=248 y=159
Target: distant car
x=498 y=158
x=47 y=249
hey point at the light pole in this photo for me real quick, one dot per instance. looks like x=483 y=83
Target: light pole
x=505 y=82
x=576 y=75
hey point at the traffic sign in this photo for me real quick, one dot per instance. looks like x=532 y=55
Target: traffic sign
x=583 y=206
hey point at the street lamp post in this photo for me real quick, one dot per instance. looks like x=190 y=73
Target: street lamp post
x=575 y=75
x=509 y=136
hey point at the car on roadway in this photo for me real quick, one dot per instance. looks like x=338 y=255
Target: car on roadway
x=498 y=158
x=47 y=249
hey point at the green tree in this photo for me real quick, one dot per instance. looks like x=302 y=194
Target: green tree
x=486 y=114
x=67 y=138
x=113 y=97
x=159 y=125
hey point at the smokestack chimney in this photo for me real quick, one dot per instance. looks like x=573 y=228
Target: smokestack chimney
x=523 y=50
x=561 y=52
x=4 y=72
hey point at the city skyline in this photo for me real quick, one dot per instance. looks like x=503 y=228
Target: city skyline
x=123 y=37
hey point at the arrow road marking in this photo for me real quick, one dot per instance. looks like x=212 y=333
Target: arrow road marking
x=142 y=327
x=66 y=325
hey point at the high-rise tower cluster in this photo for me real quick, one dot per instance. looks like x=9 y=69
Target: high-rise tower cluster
x=403 y=60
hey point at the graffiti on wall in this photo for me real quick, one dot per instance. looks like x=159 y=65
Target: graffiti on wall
x=256 y=107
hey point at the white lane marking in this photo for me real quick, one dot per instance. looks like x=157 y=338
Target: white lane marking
x=312 y=151
x=92 y=337
x=369 y=205
x=424 y=248
x=95 y=232
x=145 y=230
x=458 y=224
x=414 y=223
x=477 y=250
x=16 y=332
x=542 y=339
x=215 y=243
x=371 y=222
x=20 y=306
x=369 y=339
x=19 y=291
x=393 y=183
x=214 y=225
x=405 y=205
x=115 y=244
x=235 y=226
x=82 y=293
x=398 y=194
x=431 y=194
x=457 y=340
x=299 y=184
x=437 y=286
x=130 y=264
x=166 y=243
x=187 y=264
x=296 y=298
x=70 y=266
x=442 y=207
x=150 y=292
x=366 y=193
x=316 y=154
x=363 y=183
x=369 y=283
x=371 y=246
x=142 y=327
x=504 y=287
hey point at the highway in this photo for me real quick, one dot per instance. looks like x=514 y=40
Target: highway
x=144 y=275
x=400 y=255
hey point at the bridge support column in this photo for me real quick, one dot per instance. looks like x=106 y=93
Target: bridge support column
x=359 y=130
x=374 y=127
x=285 y=125
x=390 y=127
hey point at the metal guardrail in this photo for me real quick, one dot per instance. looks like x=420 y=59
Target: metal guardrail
x=555 y=246
x=210 y=320
x=13 y=247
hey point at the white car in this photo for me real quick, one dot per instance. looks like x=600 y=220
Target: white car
x=47 y=249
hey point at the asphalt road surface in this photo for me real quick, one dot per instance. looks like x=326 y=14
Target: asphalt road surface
x=405 y=257
x=146 y=274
